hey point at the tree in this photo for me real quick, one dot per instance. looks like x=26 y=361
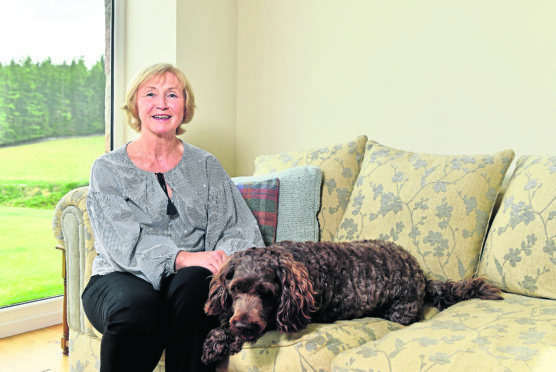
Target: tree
x=41 y=100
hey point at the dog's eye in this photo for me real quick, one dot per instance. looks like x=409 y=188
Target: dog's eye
x=265 y=293
x=229 y=275
x=238 y=287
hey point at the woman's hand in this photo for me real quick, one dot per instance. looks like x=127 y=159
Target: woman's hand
x=212 y=260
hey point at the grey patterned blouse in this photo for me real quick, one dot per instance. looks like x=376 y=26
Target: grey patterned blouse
x=133 y=233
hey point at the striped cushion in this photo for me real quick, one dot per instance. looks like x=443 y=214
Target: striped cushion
x=262 y=199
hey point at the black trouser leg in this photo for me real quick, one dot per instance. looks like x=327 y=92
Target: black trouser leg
x=129 y=313
x=186 y=293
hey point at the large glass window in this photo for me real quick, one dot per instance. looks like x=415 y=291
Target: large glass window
x=52 y=127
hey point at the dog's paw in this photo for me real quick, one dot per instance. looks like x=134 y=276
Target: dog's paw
x=215 y=347
x=235 y=345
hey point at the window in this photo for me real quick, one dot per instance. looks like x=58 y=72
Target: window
x=52 y=127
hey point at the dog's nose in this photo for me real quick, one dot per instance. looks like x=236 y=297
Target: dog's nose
x=246 y=330
x=241 y=325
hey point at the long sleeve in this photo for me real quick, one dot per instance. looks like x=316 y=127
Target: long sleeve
x=231 y=224
x=133 y=233
x=124 y=242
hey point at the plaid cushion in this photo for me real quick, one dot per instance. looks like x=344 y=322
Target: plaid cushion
x=262 y=199
x=298 y=204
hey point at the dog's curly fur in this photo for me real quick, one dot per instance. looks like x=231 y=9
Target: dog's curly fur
x=289 y=284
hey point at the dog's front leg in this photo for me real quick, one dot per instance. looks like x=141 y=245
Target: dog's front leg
x=219 y=345
x=236 y=344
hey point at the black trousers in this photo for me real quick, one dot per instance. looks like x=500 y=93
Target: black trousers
x=137 y=323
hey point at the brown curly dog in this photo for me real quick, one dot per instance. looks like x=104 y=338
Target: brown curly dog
x=289 y=284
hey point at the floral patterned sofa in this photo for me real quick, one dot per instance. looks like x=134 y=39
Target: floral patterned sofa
x=460 y=215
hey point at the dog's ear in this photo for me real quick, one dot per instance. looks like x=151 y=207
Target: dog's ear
x=297 y=301
x=219 y=301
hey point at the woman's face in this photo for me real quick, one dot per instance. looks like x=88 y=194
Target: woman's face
x=161 y=104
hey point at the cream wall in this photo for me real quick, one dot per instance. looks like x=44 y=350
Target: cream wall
x=438 y=76
x=206 y=33
x=441 y=76
x=199 y=37
x=141 y=39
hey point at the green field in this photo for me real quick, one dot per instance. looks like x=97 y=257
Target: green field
x=32 y=179
x=62 y=160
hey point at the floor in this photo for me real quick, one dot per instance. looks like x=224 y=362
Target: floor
x=37 y=351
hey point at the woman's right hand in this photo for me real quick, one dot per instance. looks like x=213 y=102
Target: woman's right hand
x=212 y=260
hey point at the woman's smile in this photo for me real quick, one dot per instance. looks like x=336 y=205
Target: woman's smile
x=161 y=117
x=160 y=104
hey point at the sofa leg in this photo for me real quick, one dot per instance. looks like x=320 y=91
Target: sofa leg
x=65 y=328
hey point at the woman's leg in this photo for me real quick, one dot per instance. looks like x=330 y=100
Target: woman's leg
x=130 y=314
x=186 y=293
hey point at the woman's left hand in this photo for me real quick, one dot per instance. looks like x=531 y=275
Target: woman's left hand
x=212 y=260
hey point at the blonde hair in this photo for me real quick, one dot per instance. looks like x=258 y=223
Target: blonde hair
x=148 y=73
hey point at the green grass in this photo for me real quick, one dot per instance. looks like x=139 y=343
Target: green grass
x=30 y=265
x=59 y=161
x=32 y=179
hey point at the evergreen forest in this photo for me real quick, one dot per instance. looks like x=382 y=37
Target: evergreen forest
x=44 y=100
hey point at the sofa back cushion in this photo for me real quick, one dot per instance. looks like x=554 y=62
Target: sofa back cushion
x=340 y=166
x=298 y=202
x=520 y=250
x=435 y=206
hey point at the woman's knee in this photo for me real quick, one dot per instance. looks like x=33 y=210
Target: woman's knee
x=187 y=290
x=190 y=282
x=141 y=317
x=124 y=304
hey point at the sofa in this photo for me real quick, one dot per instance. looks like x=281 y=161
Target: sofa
x=461 y=216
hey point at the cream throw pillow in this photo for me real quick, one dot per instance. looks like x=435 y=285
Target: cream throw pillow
x=520 y=250
x=340 y=166
x=436 y=206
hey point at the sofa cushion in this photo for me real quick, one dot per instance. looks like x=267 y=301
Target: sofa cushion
x=520 y=250
x=436 y=206
x=262 y=198
x=311 y=349
x=298 y=202
x=340 y=167
x=517 y=334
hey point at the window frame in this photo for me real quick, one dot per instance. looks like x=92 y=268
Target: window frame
x=48 y=311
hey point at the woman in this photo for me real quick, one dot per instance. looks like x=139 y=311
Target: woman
x=165 y=215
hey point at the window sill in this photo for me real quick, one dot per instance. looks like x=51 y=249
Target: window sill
x=30 y=316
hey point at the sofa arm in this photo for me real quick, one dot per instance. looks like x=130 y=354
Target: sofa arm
x=72 y=229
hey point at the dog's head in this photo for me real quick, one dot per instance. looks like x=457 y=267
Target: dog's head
x=261 y=289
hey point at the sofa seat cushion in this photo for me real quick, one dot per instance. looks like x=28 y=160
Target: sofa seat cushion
x=435 y=206
x=516 y=334
x=340 y=167
x=311 y=349
x=520 y=250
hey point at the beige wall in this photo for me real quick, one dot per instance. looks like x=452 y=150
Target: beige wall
x=441 y=76
x=207 y=54
x=438 y=76
x=145 y=34
x=200 y=38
